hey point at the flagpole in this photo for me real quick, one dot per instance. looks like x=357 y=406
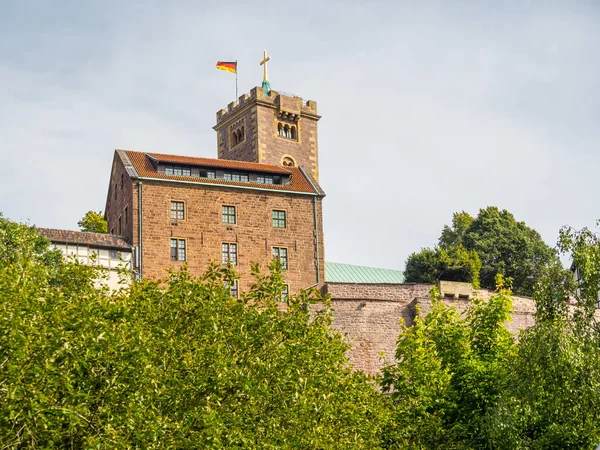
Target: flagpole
x=236 y=86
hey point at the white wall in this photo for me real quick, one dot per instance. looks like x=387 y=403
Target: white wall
x=110 y=260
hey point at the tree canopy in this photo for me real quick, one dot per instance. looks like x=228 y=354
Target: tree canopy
x=447 y=375
x=93 y=222
x=463 y=382
x=502 y=245
x=177 y=363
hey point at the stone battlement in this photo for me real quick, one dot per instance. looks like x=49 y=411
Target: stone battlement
x=286 y=104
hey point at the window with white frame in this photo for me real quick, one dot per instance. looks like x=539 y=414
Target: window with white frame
x=281 y=254
x=229 y=252
x=177 y=249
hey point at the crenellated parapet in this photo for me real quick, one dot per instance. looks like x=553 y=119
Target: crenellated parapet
x=287 y=105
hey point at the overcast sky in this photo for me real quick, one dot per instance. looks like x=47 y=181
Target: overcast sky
x=428 y=107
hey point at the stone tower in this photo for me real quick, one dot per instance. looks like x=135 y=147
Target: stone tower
x=272 y=128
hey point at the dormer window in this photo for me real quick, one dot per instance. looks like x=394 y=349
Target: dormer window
x=178 y=171
x=208 y=173
x=235 y=176
x=264 y=179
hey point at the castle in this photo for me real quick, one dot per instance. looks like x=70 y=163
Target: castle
x=259 y=200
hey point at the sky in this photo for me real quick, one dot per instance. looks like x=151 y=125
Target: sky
x=428 y=108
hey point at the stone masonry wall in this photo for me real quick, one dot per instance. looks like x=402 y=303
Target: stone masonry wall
x=245 y=150
x=260 y=114
x=204 y=231
x=272 y=148
x=368 y=316
x=123 y=204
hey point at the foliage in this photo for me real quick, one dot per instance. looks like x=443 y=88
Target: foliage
x=553 y=382
x=453 y=263
x=93 y=222
x=447 y=373
x=171 y=364
x=455 y=234
x=502 y=245
x=508 y=247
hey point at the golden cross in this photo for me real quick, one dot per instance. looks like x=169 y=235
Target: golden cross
x=264 y=63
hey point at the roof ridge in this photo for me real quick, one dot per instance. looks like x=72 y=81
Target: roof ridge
x=363 y=267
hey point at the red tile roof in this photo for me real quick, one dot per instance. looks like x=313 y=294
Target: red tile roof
x=222 y=163
x=85 y=238
x=145 y=169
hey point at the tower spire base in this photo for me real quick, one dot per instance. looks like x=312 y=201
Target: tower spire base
x=266 y=87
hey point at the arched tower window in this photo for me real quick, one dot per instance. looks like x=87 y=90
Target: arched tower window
x=287 y=131
x=237 y=133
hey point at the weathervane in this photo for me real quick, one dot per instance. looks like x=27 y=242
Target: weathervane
x=265 y=84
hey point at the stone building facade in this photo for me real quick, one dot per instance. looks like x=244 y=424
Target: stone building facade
x=273 y=128
x=261 y=199
x=192 y=219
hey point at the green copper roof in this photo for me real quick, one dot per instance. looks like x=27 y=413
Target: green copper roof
x=347 y=273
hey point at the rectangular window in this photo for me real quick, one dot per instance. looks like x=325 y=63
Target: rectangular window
x=119 y=226
x=179 y=171
x=126 y=215
x=114 y=254
x=281 y=254
x=229 y=253
x=244 y=177
x=121 y=181
x=278 y=219
x=233 y=288
x=177 y=249
x=208 y=173
x=235 y=176
x=115 y=191
x=177 y=211
x=264 y=179
x=227 y=175
x=228 y=214
x=285 y=293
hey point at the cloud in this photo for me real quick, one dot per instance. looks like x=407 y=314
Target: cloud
x=427 y=109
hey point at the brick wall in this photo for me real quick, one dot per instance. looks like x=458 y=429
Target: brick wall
x=368 y=316
x=204 y=231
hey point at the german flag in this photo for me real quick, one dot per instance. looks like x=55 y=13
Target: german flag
x=228 y=66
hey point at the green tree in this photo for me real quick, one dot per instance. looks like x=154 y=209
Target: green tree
x=502 y=245
x=172 y=364
x=454 y=235
x=453 y=263
x=93 y=222
x=552 y=384
x=508 y=247
x=447 y=374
